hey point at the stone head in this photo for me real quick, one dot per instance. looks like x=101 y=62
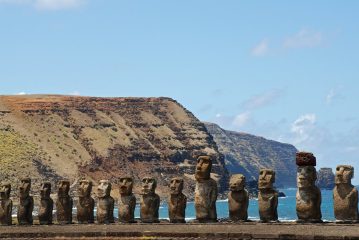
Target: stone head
x=203 y=167
x=149 y=185
x=6 y=188
x=85 y=188
x=306 y=176
x=176 y=185
x=126 y=185
x=237 y=182
x=344 y=174
x=63 y=188
x=45 y=190
x=24 y=188
x=266 y=178
x=104 y=189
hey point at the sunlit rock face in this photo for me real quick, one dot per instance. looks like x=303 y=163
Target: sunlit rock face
x=126 y=201
x=206 y=191
x=5 y=204
x=26 y=203
x=267 y=196
x=64 y=203
x=105 y=204
x=308 y=197
x=177 y=201
x=345 y=195
x=46 y=204
x=150 y=201
x=238 y=198
x=86 y=204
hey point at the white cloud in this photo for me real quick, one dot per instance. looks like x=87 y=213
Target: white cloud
x=262 y=100
x=47 y=4
x=302 y=127
x=75 y=93
x=260 y=49
x=21 y=93
x=304 y=39
x=241 y=119
x=334 y=94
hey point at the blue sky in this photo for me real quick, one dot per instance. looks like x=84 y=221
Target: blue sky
x=284 y=70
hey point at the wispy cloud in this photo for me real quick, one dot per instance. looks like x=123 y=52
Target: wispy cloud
x=302 y=127
x=305 y=38
x=333 y=95
x=241 y=119
x=75 y=93
x=263 y=99
x=21 y=93
x=47 y=4
x=260 y=49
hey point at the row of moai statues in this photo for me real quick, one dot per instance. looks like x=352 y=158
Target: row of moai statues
x=308 y=198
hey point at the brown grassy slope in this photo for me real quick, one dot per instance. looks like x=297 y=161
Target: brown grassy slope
x=102 y=138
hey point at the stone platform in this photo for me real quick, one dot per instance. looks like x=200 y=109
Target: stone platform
x=251 y=230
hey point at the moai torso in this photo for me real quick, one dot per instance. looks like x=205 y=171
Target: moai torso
x=345 y=195
x=64 y=203
x=238 y=199
x=177 y=201
x=5 y=205
x=105 y=204
x=26 y=205
x=126 y=201
x=308 y=197
x=206 y=191
x=150 y=201
x=46 y=204
x=267 y=196
x=86 y=204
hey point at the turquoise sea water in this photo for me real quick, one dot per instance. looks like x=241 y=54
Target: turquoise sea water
x=286 y=207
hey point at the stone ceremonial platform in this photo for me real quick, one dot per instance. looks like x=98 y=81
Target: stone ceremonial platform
x=250 y=230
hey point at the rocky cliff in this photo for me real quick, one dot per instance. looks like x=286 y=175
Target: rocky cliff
x=245 y=153
x=325 y=178
x=52 y=137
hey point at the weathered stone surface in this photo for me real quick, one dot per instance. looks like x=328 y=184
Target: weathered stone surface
x=238 y=198
x=177 y=201
x=5 y=204
x=267 y=196
x=305 y=159
x=150 y=201
x=46 y=204
x=308 y=197
x=64 y=203
x=206 y=191
x=126 y=201
x=105 y=204
x=325 y=179
x=345 y=195
x=86 y=204
x=26 y=205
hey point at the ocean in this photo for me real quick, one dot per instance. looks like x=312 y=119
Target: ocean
x=286 y=207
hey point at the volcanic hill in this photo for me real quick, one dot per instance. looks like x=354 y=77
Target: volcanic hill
x=50 y=137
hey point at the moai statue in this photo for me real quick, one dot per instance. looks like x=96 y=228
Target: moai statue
x=5 y=204
x=177 y=201
x=206 y=191
x=86 y=203
x=105 y=203
x=64 y=203
x=267 y=196
x=238 y=198
x=26 y=205
x=308 y=195
x=46 y=204
x=127 y=201
x=345 y=195
x=150 y=201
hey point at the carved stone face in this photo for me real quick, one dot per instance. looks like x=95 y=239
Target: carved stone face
x=266 y=178
x=104 y=189
x=126 y=185
x=344 y=174
x=148 y=185
x=85 y=188
x=6 y=188
x=63 y=188
x=306 y=176
x=176 y=185
x=45 y=190
x=24 y=189
x=237 y=182
x=203 y=167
